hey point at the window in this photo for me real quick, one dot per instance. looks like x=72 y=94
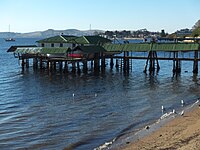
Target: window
x=52 y=44
x=61 y=44
x=42 y=44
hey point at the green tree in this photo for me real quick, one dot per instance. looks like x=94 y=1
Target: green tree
x=162 y=34
x=197 y=25
x=196 y=32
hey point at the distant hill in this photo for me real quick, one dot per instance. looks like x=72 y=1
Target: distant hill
x=48 y=33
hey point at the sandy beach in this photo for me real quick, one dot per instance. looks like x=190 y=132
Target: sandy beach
x=182 y=132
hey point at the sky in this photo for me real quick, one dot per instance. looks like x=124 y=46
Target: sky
x=154 y=15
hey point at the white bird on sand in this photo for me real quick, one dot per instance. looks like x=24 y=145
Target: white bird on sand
x=182 y=113
x=174 y=111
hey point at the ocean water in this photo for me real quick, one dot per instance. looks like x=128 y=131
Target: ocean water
x=38 y=109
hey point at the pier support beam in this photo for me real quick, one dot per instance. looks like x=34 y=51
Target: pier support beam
x=23 y=62
x=35 y=62
x=103 y=62
x=27 y=63
x=40 y=62
x=73 y=67
x=78 y=68
x=111 y=62
x=96 y=62
x=85 y=67
x=176 y=64
x=60 y=65
x=152 y=59
x=195 y=65
x=117 y=63
x=66 y=67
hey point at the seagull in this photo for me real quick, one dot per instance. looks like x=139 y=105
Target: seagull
x=182 y=113
x=95 y=94
x=174 y=111
x=182 y=102
x=163 y=109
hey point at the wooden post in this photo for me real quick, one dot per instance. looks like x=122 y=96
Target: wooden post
x=60 y=65
x=96 y=62
x=23 y=63
x=85 y=68
x=73 y=67
x=152 y=61
x=35 y=62
x=27 y=63
x=111 y=62
x=78 y=67
x=195 y=65
x=174 y=61
x=176 y=64
x=145 y=67
x=103 y=62
x=66 y=66
x=54 y=65
x=40 y=62
x=125 y=62
x=156 y=57
x=117 y=63
x=48 y=64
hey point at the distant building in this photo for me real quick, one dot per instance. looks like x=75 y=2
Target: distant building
x=183 y=32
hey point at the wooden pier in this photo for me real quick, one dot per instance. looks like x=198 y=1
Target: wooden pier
x=79 y=57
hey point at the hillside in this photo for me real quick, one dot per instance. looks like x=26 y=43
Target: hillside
x=48 y=33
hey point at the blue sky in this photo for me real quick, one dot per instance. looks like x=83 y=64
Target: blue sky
x=155 y=15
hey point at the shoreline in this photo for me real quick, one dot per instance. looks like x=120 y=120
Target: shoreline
x=154 y=135
x=180 y=132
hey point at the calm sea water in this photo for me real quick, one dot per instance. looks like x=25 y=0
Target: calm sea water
x=38 y=110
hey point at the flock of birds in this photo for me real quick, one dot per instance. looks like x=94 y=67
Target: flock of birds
x=162 y=107
x=174 y=111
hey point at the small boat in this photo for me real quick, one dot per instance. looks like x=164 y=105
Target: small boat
x=9 y=39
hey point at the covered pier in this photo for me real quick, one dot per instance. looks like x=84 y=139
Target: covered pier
x=120 y=55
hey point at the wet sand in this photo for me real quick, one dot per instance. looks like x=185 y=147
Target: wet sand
x=182 y=132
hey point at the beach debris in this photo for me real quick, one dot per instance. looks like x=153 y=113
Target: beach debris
x=104 y=146
x=127 y=142
x=182 y=102
x=147 y=127
x=166 y=115
x=182 y=113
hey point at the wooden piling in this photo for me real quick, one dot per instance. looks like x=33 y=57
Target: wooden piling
x=85 y=67
x=66 y=67
x=195 y=64
x=73 y=67
x=111 y=62
x=27 y=63
x=96 y=62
